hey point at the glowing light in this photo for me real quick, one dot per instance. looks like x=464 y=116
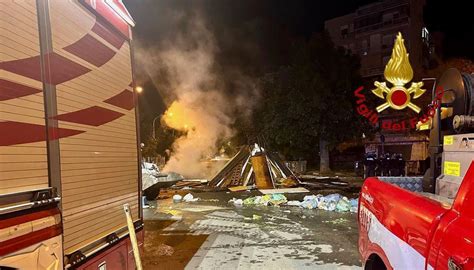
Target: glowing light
x=139 y=89
x=181 y=117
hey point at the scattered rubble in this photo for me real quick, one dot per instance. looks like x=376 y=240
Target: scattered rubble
x=284 y=190
x=254 y=166
x=189 y=198
x=324 y=248
x=186 y=198
x=293 y=203
x=240 y=188
x=165 y=250
x=332 y=202
x=269 y=199
x=336 y=221
x=236 y=202
x=177 y=198
x=153 y=180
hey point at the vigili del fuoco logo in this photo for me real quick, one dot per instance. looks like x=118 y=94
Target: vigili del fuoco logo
x=398 y=72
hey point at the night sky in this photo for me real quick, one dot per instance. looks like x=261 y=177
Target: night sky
x=262 y=20
x=256 y=36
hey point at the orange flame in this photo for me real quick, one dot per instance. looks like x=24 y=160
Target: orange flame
x=180 y=117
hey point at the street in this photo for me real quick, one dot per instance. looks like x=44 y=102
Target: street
x=236 y=135
x=211 y=234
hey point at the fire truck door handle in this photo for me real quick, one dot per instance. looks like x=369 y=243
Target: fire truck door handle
x=453 y=265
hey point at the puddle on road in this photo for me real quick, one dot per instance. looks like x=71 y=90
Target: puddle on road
x=280 y=238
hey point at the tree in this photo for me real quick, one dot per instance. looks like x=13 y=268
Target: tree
x=310 y=102
x=163 y=141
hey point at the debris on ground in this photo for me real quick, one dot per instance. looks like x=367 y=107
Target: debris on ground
x=254 y=165
x=239 y=188
x=209 y=200
x=153 y=180
x=200 y=181
x=332 y=202
x=165 y=250
x=189 y=198
x=343 y=205
x=293 y=236
x=289 y=182
x=354 y=205
x=177 y=198
x=336 y=221
x=324 y=248
x=186 y=185
x=170 y=215
x=325 y=183
x=284 y=190
x=151 y=176
x=269 y=199
x=172 y=212
x=236 y=202
x=293 y=203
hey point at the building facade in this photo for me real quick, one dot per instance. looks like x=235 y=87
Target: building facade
x=370 y=33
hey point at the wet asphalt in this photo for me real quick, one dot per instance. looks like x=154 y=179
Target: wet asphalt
x=213 y=234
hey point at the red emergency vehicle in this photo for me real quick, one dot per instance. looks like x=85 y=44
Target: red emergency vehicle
x=431 y=228
x=69 y=150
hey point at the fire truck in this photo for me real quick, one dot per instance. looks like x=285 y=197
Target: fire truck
x=431 y=227
x=69 y=144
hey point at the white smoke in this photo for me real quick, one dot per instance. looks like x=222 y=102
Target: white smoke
x=197 y=104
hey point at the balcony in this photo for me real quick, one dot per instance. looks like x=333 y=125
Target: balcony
x=383 y=25
x=379 y=7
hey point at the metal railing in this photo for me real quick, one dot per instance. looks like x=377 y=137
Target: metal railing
x=368 y=28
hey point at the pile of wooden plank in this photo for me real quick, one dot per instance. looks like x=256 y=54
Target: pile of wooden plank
x=242 y=169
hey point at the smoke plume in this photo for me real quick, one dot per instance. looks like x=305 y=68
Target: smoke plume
x=200 y=104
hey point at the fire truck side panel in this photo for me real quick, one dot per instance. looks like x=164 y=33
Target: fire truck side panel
x=23 y=151
x=120 y=256
x=47 y=253
x=386 y=229
x=68 y=125
x=91 y=69
x=456 y=238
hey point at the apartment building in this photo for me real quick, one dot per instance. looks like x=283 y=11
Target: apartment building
x=370 y=32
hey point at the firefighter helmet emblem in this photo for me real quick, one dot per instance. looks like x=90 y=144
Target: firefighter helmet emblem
x=398 y=72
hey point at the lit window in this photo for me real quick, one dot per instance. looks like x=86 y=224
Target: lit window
x=424 y=33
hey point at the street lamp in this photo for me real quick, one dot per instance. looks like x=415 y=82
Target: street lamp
x=139 y=89
x=153 y=133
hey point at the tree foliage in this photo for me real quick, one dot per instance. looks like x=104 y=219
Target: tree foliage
x=309 y=100
x=163 y=141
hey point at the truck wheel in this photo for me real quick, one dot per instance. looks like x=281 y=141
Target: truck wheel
x=374 y=263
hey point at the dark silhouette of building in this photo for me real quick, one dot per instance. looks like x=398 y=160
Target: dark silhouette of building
x=371 y=29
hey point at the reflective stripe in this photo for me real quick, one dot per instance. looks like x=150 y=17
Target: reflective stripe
x=28 y=227
x=399 y=253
